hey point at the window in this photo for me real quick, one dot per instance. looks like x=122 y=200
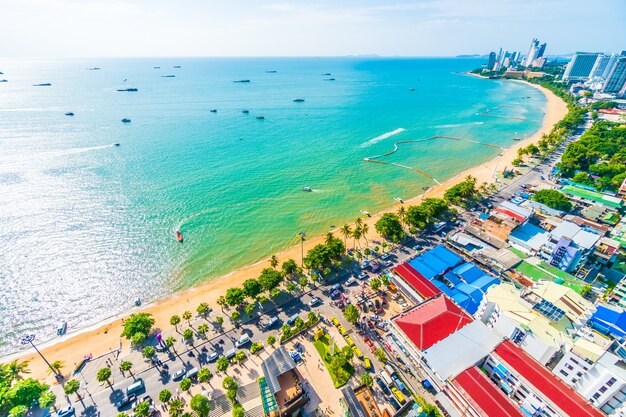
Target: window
x=570 y=367
x=611 y=381
x=574 y=360
x=596 y=396
x=603 y=389
x=563 y=372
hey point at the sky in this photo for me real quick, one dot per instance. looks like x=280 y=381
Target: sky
x=136 y=28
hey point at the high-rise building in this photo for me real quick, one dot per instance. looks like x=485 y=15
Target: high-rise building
x=617 y=77
x=599 y=66
x=609 y=65
x=541 y=50
x=579 y=68
x=532 y=53
x=492 y=61
x=516 y=57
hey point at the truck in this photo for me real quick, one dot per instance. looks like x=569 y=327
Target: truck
x=384 y=375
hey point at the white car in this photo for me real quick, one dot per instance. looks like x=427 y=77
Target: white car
x=350 y=281
x=375 y=317
x=384 y=256
x=212 y=357
x=314 y=301
x=362 y=275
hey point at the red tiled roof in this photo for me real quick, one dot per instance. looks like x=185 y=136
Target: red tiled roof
x=565 y=398
x=423 y=286
x=511 y=214
x=432 y=321
x=483 y=395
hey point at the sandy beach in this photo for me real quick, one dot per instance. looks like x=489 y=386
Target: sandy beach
x=106 y=336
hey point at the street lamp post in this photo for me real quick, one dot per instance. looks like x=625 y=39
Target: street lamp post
x=28 y=339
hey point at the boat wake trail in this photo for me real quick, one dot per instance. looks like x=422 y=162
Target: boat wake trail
x=89 y=149
x=382 y=137
x=459 y=125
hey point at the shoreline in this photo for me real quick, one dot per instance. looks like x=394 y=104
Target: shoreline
x=105 y=335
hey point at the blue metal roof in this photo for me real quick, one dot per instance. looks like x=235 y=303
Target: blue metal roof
x=607 y=320
x=468 y=271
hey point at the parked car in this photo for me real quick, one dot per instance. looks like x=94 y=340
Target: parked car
x=382 y=386
x=351 y=281
x=245 y=339
x=362 y=276
x=375 y=317
x=315 y=301
x=335 y=294
x=385 y=256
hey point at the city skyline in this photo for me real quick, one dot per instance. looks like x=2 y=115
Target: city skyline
x=125 y=28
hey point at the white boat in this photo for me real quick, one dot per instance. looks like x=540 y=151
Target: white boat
x=307 y=189
x=367 y=213
x=137 y=301
x=62 y=329
x=398 y=199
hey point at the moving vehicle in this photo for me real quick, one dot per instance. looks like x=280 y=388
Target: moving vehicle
x=271 y=322
x=307 y=189
x=292 y=319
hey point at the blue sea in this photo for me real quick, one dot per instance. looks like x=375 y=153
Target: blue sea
x=87 y=226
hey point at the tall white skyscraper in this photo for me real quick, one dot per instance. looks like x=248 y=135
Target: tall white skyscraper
x=617 y=78
x=532 y=53
x=579 y=68
x=599 y=66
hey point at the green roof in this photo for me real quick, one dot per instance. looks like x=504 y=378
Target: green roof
x=600 y=198
x=549 y=272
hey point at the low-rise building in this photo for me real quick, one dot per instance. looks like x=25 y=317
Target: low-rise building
x=618 y=296
x=606 y=251
x=604 y=384
x=568 y=246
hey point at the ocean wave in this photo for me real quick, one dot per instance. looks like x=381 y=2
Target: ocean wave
x=382 y=137
x=458 y=125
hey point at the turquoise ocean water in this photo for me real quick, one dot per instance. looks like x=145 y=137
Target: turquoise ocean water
x=85 y=227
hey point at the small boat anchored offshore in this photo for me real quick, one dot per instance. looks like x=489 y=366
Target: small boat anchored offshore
x=213 y=110
x=367 y=213
x=179 y=236
x=517 y=138
x=125 y=120
x=137 y=302
x=62 y=329
x=241 y=81
x=260 y=117
x=245 y=111
x=307 y=189
x=69 y=113
x=398 y=199
x=127 y=89
x=299 y=100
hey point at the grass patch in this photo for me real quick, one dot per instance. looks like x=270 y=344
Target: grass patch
x=549 y=272
x=342 y=375
x=518 y=252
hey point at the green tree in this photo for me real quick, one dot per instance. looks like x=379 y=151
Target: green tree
x=175 y=321
x=249 y=308
x=220 y=321
x=138 y=339
x=204 y=375
x=203 y=309
x=255 y=347
x=290 y=287
x=188 y=335
x=104 y=374
x=380 y=355
x=221 y=301
x=275 y=293
x=346 y=232
x=240 y=356
x=366 y=379
x=462 y=194
x=169 y=342
x=235 y=316
x=238 y=410
x=271 y=339
x=165 y=396
x=185 y=385
x=553 y=199
x=122 y=414
x=229 y=383
x=304 y=281
x=47 y=399
x=137 y=323
x=222 y=364
x=351 y=313
x=14 y=371
x=21 y=392
x=251 y=287
x=71 y=387
x=148 y=352
x=203 y=329
x=126 y=366
x=270 y=279
x=235 y=296
x=177 y=408
x=517 y=162
x=187 y=316
x=200 y=405
x=289 y=267
x=18 y=411
x=56 y=367
x=142 y=409
x=375 y=284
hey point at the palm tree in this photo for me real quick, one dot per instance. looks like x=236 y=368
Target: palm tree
x=384 y=245
x=358 y=222
x=203 y=329
x=55 y=367
x=177 y=408
x=126 y=366
x=364 y=229
x=356 y=234
x=13 y=371
x=346 y=232
x=187 y=316
x=274 y=261
x=329 y=238
x=402 y=215
x=221 y=301
x=169 y=343
x=175 y=321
